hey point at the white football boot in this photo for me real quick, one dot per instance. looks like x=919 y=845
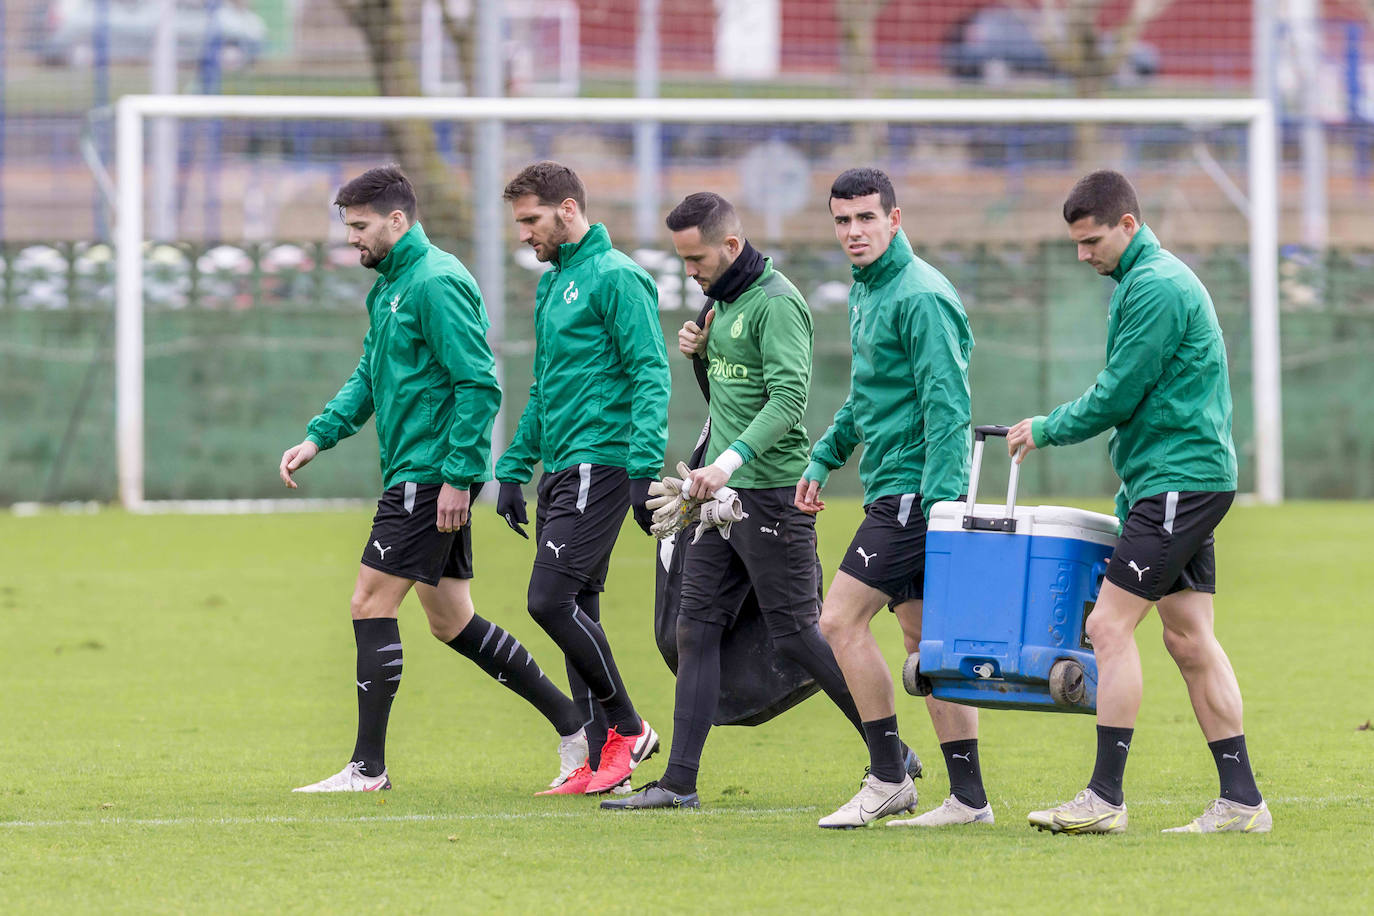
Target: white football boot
x=1225 y=815
x=950 y=813
x=1087 y=813
x=875 y=799
x=349 y=779
x=572 y=753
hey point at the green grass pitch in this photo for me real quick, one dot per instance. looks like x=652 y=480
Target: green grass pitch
x=166 y=680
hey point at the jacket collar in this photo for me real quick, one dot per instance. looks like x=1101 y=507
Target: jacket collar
x=596 y=241
x=889 y=263
x=1143 y=243
x=408 y=249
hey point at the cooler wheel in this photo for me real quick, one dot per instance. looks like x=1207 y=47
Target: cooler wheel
x=1066 y=683
x=916 y=683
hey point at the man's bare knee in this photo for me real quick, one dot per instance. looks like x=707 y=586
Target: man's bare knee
x=1190 y=651
x=448 y=607
x=377 y=594
x=367 y=602
x=1107 y=634
x=836 y=628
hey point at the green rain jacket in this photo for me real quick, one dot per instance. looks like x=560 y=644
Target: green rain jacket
x=758 y=358
x=1165 y=392
x=426 y=371
x=600 y=391
x=908 y=391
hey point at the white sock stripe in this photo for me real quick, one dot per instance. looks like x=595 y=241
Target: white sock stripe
x=396 y=678
x=500 y=642
x=514 y=645
x=394 y=647
x=394 y=663
x=491 y=628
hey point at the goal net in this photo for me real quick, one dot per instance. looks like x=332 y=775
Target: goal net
x=240 y=314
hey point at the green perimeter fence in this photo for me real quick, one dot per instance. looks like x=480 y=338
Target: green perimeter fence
x=244 y=344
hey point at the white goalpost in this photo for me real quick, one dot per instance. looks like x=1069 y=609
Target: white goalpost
x=1260 y=205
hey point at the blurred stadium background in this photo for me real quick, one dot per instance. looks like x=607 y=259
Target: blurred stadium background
x=253 y=302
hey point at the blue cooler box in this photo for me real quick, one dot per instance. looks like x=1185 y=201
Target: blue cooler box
x=1007 y=592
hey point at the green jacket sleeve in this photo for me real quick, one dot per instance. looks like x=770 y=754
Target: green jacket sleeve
x=454 y=324
x=631 y=319
x=518 y=460
x=785 y=348
x=839 y=441
x=940 y=371
x=348 y=410
x=1150 y=325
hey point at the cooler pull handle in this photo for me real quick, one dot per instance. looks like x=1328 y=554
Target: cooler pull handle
x=972 y=522
x=1098 y=573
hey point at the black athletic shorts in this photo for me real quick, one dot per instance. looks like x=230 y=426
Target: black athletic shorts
x=773 y=550
x=405 y=541
x=1167 y=545
x=889 y=549
x=578 y=518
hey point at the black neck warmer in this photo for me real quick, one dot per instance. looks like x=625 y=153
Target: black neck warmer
x=738 y=277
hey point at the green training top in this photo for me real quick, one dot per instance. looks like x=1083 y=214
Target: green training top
x=1165 y=392
x=908 y=391
x=426 y=371
x=758 y=358
x=600 y=391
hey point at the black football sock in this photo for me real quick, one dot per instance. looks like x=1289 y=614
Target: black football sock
x=695 y=701
x=884 y=749
x=809 y=649
x=501 y=655
x=965 y=776
x=379 y=677
x=1113 y=744
x=1233 y=768
x=553 y=605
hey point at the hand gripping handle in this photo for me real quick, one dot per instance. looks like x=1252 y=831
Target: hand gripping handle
x=1007 y=523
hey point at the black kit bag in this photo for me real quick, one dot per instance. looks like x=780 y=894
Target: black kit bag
x=755 y=683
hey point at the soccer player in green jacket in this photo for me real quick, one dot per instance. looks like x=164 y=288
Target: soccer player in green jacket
x=759 y=373
x=428 y=377
x=1166 y=397
x=908 y=405
x=597 y=419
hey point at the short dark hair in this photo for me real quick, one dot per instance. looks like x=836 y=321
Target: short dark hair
x=862 y=182
x=712 y=215
x=550 y=182
x=382 y=189
x=1104 y=195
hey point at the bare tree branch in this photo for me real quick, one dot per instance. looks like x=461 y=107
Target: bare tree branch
x=1069 y=32
x=386 y=27
x=858 y=31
